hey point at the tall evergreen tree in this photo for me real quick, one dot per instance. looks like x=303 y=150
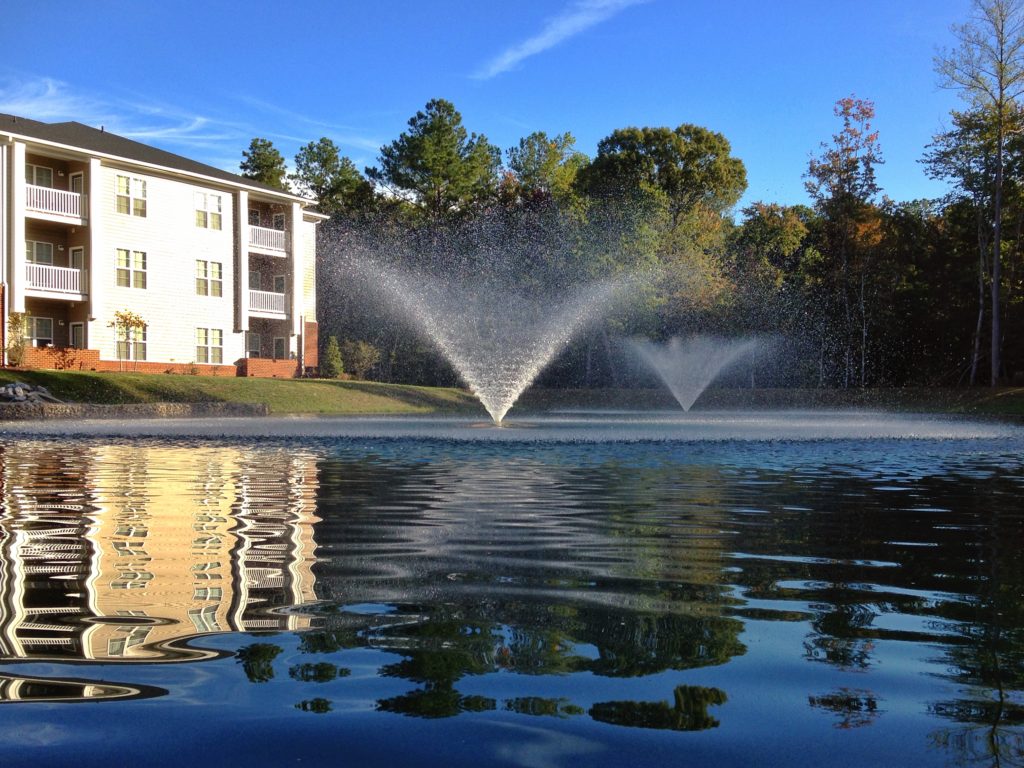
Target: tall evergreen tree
x=438 y=164
x=262 y=162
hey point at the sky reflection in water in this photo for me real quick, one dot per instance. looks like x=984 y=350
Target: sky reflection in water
x=434 y=601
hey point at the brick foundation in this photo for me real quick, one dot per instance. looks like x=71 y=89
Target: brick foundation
x=265 y=368
x=198 y=369
x=68 y=359
x=54 y=358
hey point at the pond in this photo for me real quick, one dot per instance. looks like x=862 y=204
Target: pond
x=595 y=589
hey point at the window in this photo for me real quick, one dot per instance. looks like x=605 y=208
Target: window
x=254 y=217
x=131 y=579
x=209 y=345
x=131 y=195
x=204 y=619
x=254 y=281
x=39 y=331
x=38 y=253
x=131 y=268
x=77 y=258
x=279 y=283
x=134 y=346
x=208 y=210
x=39 y=175
x=77 y=183
x=207 y=593
x=280 y=348
x=252 y=344
x=209 y=278
x=279 y=221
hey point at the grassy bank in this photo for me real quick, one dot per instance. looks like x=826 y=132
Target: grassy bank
x=313 y=396
x=283 y=396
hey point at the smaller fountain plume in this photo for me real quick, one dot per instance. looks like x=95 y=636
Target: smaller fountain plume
x=688 y=367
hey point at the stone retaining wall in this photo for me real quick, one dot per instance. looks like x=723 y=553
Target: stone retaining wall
x=49 y=411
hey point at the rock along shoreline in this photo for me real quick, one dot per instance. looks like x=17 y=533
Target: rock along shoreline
x=21 y=411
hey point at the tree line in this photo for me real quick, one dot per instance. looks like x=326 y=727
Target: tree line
x=854 y=289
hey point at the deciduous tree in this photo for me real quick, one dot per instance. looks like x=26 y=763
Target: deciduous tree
x=987 y=67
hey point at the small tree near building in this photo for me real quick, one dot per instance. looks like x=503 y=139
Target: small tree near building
x=16 y=338
x=128 y=330
x=331 y=366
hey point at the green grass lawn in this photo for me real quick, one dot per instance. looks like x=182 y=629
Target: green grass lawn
x=317 y=396
x=282 y=396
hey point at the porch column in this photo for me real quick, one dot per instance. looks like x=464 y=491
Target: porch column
x=16 y=239
x=99 y=279
x=295 y=247
x=242 y=264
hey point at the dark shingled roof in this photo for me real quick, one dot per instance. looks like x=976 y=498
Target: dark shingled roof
x=90 y=139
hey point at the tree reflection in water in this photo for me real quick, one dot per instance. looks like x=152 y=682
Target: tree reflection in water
x=688 y=713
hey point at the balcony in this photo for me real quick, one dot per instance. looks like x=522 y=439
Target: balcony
x=62 y=280
x=266 y=240
x=56 y=204
x=267 y=303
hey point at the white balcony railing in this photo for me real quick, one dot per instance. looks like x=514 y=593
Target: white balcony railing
x=266 y=301
x=43 y=277
x=268 y=239
x=57 y=201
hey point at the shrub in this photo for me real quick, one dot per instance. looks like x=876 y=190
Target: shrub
x=331 y=366
x=360 y=357
x=16 y=338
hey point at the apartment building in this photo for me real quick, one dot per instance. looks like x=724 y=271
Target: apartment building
x=220 y=269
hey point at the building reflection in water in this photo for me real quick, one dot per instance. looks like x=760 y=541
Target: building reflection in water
x=120 y=552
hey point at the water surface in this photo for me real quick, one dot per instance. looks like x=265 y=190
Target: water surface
x=831 y=588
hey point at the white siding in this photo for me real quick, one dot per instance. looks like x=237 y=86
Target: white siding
x=309 y=270
x=172 y=242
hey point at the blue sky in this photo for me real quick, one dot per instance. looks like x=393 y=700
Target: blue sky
x=202 y=79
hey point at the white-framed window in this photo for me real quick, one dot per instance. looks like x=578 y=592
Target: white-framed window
x=39 y=175
x=209 y=278
x=209 y=345
x=204 y=619
x=131 y=195
x=208 y=210
x=39 y=331
x=254 y=217
x=132 y=344
x=279 y=221
x=280 y=348
x=77 y=257
x=76 y=183
x=37 y=252
x=207 y=593
x=252 y=344
x=131 y=268
x=131 y=578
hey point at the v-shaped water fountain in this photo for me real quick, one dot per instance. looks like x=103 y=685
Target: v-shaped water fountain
x=688 y=367
x=498 y=339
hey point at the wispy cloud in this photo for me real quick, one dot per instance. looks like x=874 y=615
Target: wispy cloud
x=577 y=18
x=342 y=135
x=210 y=138
x=50 y=100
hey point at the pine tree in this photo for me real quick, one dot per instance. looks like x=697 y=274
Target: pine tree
x=331 y=365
